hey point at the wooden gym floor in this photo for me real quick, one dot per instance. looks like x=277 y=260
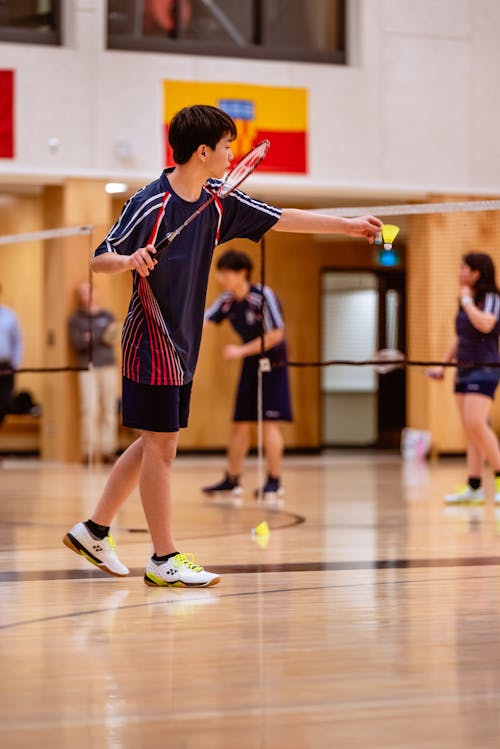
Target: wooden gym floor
x=371 y=619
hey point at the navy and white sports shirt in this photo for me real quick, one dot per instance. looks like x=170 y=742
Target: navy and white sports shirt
x=474 y=346
x=249 y=316
x=162 y=331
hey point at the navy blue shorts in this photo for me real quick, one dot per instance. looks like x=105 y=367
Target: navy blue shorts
x=477 y=381
x=276 y=404
x=155 y=408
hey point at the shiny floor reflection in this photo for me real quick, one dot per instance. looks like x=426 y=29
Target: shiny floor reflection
x=374 y=623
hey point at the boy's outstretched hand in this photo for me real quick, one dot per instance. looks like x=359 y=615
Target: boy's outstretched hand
x=365 y=226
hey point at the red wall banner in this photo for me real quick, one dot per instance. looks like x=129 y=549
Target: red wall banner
x=6 y=114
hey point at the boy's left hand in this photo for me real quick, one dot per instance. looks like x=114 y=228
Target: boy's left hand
x=365 y=226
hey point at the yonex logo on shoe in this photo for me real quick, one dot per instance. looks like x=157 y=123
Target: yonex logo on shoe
x=96 y=547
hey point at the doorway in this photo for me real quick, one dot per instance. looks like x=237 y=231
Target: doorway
x=362 y=312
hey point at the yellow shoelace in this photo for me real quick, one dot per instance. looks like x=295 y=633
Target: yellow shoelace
x=188 y=561
x=111 y=542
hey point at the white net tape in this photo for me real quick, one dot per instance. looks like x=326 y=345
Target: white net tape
x=35 y=236
x=412 y=208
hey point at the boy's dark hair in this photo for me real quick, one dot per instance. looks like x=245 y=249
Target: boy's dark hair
x=486 y=282
x=196 y=126
x=235 y=260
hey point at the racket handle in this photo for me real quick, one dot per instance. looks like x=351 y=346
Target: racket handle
x=165 y=242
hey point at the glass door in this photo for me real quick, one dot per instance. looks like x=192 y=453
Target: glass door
x=362 y=313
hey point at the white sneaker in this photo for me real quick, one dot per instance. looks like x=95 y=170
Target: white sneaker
x=465 y=494
x=100 y=552
x=271 y=495
x=497 y=498
x=233 y=498
x=227 y=492
x=272 y=500
x=179 y=571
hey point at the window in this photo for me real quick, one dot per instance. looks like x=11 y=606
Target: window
x=30 y=21
x=307 y=30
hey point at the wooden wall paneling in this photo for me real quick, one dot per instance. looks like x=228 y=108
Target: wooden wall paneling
x=66 y=264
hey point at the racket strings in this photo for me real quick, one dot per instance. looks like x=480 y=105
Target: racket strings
x=244 y=168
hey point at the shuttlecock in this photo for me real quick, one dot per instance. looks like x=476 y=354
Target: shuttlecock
x=261 y=534
x=389 y=234
x=261 y=530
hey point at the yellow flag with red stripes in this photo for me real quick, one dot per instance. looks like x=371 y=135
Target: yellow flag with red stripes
x=275 y=112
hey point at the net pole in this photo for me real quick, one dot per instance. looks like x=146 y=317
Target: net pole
x=263 y=362
x=92 y=416
x=260 y=436
x=92 y=373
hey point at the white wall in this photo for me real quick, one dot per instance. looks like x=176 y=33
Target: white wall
x=415 y=112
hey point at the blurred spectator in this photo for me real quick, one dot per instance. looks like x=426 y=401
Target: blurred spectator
x=93 y=331
x=11 y=350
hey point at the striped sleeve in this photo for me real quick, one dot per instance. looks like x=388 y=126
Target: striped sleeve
x=246 y=217
x=273 y=318
x=219 y=309
x=492 y=305
x=134 y=226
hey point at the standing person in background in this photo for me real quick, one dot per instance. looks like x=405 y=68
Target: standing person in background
x=11 y=349
x=252 y=311
x=98 y=388
x=477 y=326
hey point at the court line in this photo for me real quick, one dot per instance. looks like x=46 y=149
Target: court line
x=294 y=519
x=13 y=576
x=184 y=597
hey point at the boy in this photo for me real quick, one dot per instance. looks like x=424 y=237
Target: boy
x=250 y=311
x=162 y=330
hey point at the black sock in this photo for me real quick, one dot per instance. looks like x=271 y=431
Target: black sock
x=474 y=482
x=232 y=479
x=99 y=531
x=165 y=557
x=497 y=474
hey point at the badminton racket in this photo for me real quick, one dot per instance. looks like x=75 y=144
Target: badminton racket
x=231 y=181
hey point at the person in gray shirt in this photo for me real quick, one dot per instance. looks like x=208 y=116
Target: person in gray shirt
x=98 y=385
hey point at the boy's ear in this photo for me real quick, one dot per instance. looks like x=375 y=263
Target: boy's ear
x=202 y=151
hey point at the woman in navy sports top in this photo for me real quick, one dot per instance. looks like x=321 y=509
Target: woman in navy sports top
x=477 y=331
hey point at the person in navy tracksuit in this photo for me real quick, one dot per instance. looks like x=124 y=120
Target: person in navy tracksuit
x=253 y=311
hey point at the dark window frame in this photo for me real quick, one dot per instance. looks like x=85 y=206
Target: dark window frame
x=33 y=36
x=255 y=51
